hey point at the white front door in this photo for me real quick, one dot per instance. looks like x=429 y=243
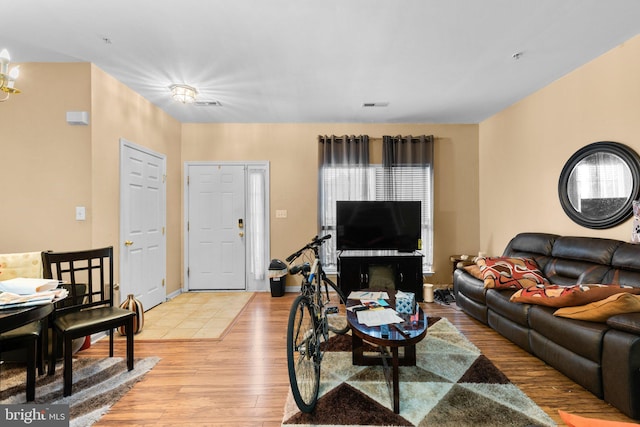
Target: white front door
x=142 y=224
x=216 y=227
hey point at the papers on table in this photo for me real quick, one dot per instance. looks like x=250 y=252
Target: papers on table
x=24 y=292
x=28 y=286
x=378 y=317
x=11 y=300
x=364 y=295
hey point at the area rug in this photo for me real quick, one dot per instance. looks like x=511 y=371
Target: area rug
x=452 y=384
x=98 y=383
x=193 y=315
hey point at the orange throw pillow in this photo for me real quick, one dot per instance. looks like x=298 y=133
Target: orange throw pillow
x=573 y=420
x=568 y=296
x=474 y=270
x=600 y=311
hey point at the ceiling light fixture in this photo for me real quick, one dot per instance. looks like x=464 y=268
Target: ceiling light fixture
x=7 y=78
x=183 y=93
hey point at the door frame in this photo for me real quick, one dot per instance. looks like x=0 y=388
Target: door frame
x=251 y=283
x=122 y=233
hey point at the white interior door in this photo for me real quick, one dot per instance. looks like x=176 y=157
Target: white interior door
x=216 y=227
x=142 y=224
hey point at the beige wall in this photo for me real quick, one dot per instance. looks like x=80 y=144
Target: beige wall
x=45 y=164
x=523 y=148
x=291 y=150
x=49 y=167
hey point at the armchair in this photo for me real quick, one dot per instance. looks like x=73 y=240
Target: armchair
x=31 y=337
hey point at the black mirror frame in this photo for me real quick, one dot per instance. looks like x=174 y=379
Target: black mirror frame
x=632 y=160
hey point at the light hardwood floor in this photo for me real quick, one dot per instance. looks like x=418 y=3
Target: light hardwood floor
x=242 y=379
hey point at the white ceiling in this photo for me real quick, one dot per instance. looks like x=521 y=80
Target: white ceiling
x=433 y=61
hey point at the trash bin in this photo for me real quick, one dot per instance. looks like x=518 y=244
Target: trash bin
x=277 y=277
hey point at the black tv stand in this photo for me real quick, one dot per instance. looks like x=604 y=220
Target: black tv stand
x=355 y=267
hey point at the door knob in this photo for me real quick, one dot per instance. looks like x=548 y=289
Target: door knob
x=128 y=243
x=241 y=234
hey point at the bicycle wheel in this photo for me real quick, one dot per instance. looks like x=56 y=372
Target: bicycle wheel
x=336 y=309
x=303 y=354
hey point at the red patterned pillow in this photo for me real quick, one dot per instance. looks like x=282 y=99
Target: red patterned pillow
x=568 y=296
x=510 y=273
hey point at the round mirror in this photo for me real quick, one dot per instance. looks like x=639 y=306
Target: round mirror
x=599 y=183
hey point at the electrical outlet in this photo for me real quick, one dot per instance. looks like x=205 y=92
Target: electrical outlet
x=281 y=213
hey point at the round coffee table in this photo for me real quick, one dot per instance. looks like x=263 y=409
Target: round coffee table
x=405 y=335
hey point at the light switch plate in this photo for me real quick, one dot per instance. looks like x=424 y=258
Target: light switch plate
x=81 y=213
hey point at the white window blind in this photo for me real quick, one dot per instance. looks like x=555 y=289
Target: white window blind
x=375 y=183
x=411 y=183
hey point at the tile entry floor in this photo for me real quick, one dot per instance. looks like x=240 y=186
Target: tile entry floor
x=193 y=315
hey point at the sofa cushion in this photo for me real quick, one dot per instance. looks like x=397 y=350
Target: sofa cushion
x=628 y=322
x=590 y=249
x=626 y=257
x=498 y=301
x=600 y=311
x=578 y=368
x=540 y=244
x=568 y=296
x=470 y=286
x=510 y=272
x=577 y=336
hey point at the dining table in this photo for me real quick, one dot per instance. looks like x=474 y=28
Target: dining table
x=13 y=318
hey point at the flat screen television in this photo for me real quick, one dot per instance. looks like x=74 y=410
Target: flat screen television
x=374 y=225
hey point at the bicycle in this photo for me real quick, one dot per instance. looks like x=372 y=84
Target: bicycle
x=313 y=315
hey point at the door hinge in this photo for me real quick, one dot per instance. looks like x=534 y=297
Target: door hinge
x=163 y=283
x=188 y=179
x=188 y=225
x=163 y=231
x=188 y=271
x=164 y=178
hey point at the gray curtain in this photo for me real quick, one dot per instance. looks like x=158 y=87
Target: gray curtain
x=343 y=165
x=407 y=150
x=343 y=150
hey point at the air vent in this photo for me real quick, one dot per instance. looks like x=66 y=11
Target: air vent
x=207 y=104
x=375 y=104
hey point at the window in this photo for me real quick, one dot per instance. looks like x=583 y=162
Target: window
x=374 y=183
x=340 y=183
x=411 y=183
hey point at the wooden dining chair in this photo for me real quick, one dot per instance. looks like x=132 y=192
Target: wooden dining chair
x=89 y=308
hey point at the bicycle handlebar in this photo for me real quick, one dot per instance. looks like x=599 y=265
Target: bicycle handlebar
x=316 y=242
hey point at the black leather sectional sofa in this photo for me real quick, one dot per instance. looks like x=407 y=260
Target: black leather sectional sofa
x=602 y=357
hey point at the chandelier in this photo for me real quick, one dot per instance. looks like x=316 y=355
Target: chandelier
x=7 y=78
x=183 y=93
